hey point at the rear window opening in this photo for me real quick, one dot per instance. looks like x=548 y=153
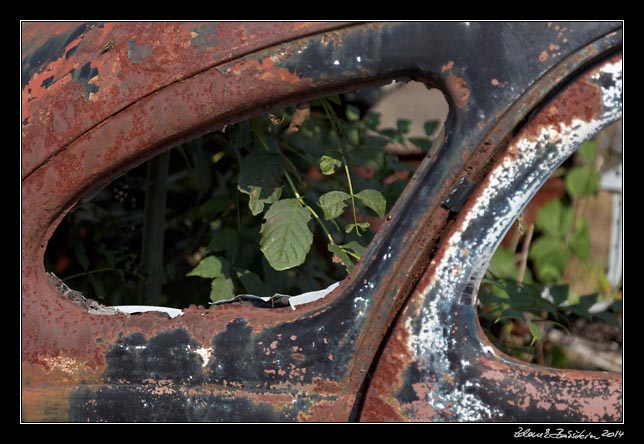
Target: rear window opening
x=281 y=204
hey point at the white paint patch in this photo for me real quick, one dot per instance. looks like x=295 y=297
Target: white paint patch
x=336 y=63
x=131 y=309
x=206 y=355
x=358 y=59
x=311 y=296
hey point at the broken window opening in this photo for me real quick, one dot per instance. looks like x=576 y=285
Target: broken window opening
x=347 y=158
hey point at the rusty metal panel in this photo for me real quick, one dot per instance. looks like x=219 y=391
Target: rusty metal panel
x=450 y=371
x=245 y=363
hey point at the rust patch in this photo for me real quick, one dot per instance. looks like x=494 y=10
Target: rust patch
x=321 y=385
x=580 y=100
x=264 y=69
x=457 y=86
x=543 y=56
x=446 y=67
x=380 y=402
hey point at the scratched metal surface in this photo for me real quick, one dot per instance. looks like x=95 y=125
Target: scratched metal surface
x=92 y=111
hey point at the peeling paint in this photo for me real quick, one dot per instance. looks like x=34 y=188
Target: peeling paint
x=240 y=363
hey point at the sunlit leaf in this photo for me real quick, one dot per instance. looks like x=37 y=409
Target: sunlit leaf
x=582 y=181
x=534 y=332
x=353 y=113
x=333 y=203
x=355 y=248
x=285 y=235
x=503 y=264
x=364 y=226
x=328 y=164
x=587 y=150
x=554 y=218
x=210 y=267
x=221 y=288
x=374 y=200
x=579 y=241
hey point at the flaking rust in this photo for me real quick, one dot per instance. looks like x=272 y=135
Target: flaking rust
x=241 y=363
x=452 y=372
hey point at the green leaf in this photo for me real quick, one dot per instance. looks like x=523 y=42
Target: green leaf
x=607 y=317
x=374 y=200
x=554 y=218
x=579 y=241
x=253 y=284
x=534 y=332
x=333 y=99
x=582 y=181
x=210 y=267
x=353 y=136
x=354 y=247
x=364 y=226
x=353 y=113
x=333 y=203
x=79 y=252
x=372 y=120
x=221 y=288
x=223 y=239
x=503 y=264
x=328 y=164
x=510 y=313
x=393 y=134
x=421 y=142
x=431 y=126
x=260 y=176
x=340 y=256
x=587 y=150
x=403 y=125
x=559 y=293
x=550 y=257
x=285 y=235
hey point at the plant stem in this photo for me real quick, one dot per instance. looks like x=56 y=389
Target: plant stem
x=154 y=230
x=308 y=207
x=333 y=121
x=97 y=270
x=525 y=247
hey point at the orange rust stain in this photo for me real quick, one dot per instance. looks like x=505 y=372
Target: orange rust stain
x=298 y=356
x=543 y=56
x=580 y=100
x=458 y=89
x=387 y=378
x=553 y=47
x=446 y=67
x=325 y=411
x=46 y=404
x=265 y=70
x=326 y=386
x=494 y=82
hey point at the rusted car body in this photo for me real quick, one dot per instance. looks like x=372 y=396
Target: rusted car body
x=399 y=339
